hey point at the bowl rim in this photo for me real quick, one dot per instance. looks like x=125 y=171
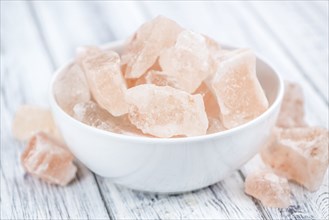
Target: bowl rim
x=54 y=106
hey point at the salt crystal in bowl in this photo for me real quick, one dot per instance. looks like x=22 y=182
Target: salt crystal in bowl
x=170 y=165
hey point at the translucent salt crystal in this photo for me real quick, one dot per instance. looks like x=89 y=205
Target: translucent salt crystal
x=157 y=78
x=30 y=120
x=300 y=154
x=215 y=126
x=91 y=114
x=270 y=189
x=163 y=111
x=148 y=42
x=292 y=107
x=46 y=159
x=210 y=102
x=238 y=91
x=107 y=85
x=188 y=61
x=71 y=87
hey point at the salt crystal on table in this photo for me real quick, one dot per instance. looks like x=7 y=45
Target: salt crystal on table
x=71 y=87
x=292 y=107
x=30 y=120
x=91 y=114
x=148 y=42
x=107 y=85
x=270 y=189
x=163 y=111
x=300 y=154
x=188 y=61
x=44 y=158
x=238 y=91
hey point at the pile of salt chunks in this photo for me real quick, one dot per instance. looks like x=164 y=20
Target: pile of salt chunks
x=172 y=82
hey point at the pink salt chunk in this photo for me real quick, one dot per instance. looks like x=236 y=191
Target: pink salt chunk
x=107 y=85
x=71 y=87
x=163 y=111
x=292 y=107
x=300 y=154
x=237 y=89
x=44 y=158
x=210 y=101
x=215 y=126
x=270 y=189
x=30 y=120
x=91 y=114
x=188 y=61
x=157 y=78
x=148 y=42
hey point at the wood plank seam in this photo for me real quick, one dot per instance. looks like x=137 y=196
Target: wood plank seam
x=285 y=49
x=54 y=65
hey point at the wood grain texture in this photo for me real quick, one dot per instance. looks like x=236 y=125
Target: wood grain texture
x=51 y=31
x=25 y=72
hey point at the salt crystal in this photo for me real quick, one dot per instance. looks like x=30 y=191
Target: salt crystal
x=71 y=87
x=238 y=91
x=300 y=154
x=270 y=189
x=148 y=42
x=30 y=120
x=157 y=78
x=215 y=126
x=292 y=107
x=44 y=158
x=163 y=111
x=210 y=102
x=107 y=85
x=91 y=114
x=188 y=61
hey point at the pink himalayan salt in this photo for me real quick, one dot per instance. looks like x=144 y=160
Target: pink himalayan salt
x=215 y=126
x=147 y=43
x=44 y=158
x=292 y=107
x=188 y=61
x=163 y=111
x=238 y=91
x=270 y=189
x=107 y=85
x=210 y=102
x=71 y=87
x=91 y=114
x=300 y=154
x=30 y=120
x=157 y=78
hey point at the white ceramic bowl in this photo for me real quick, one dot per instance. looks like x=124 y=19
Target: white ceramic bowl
x=166 y=165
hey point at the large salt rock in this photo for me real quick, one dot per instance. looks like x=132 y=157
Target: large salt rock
x=300 y=154
x=270 y=189
x=163 y=111
x=46 y=159
x=188 y=61
x=103 y=73
x=210 y=101
x=147 y=43
x=292 y=107
x=30 y=120
x=70 y=88
x=239 y=94
x=91 y=114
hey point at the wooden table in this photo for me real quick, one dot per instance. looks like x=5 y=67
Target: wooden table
x=38 y=37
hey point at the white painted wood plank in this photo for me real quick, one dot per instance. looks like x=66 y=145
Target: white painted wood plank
x=25 y=74
x=306 y=46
